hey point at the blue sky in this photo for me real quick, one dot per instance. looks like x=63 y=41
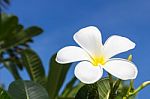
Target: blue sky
x=60 y=19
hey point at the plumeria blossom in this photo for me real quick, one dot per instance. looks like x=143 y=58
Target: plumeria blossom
x=95 y=56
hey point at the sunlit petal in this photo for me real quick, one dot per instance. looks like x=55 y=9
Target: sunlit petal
x=117 y=44
x=89 y=39
x=71 y=54
x=87 y=73
x=121 y=68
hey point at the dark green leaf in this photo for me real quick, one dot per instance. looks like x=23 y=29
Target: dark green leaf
x=34 y=66
x=65 y=98
x=18 y=62
x=69 y=87
x=88 y=92
x=56 y=76
x=99 y=90
x=74 y=90
x=103 y=88
x=33 y=31
x=4 y=94
x=122 y=91
x=27 y=90
x=13 y=34
x=8 y=24
x=13 y=69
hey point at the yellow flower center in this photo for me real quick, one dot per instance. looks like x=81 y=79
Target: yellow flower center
x=98 y=60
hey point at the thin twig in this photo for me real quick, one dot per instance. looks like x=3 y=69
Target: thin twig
x=131 y=87
x=143 y=85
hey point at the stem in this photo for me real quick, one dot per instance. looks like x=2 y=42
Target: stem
x=131 y=87
x=143 y=85
x=132 y=84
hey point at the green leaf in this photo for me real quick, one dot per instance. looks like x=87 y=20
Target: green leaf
x=33 y=31
x=103 y=88
x=98 y=90
x=8 y=24
x=122 y=91
x=69 y=87
x=88 y=92
x=13 y=38
x=13 y=69
x=18 y=62
x=74 y=90
x=4 y=94
x=56 y=76
x=65 y=98
x=27 y=90
x=34 y=66
x=13 y=34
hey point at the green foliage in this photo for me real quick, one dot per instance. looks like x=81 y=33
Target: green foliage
x=13 y=34
x=69 y=87
x=65 y=98
x=13 y=69
x=88 y=92
x=34 y=66
x=27 y=90
x=102 y=90
x=14 y=39
x=99 y=90
x=4 y=94
x=73 y=91
x=56 y=76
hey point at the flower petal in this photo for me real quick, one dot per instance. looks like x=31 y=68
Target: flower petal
x=87 y=73
x=117 y=44
x=71 y=54
x=89 y=39
x=121 y=68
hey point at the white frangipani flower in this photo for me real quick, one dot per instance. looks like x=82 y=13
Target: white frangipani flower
x=95 y=56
